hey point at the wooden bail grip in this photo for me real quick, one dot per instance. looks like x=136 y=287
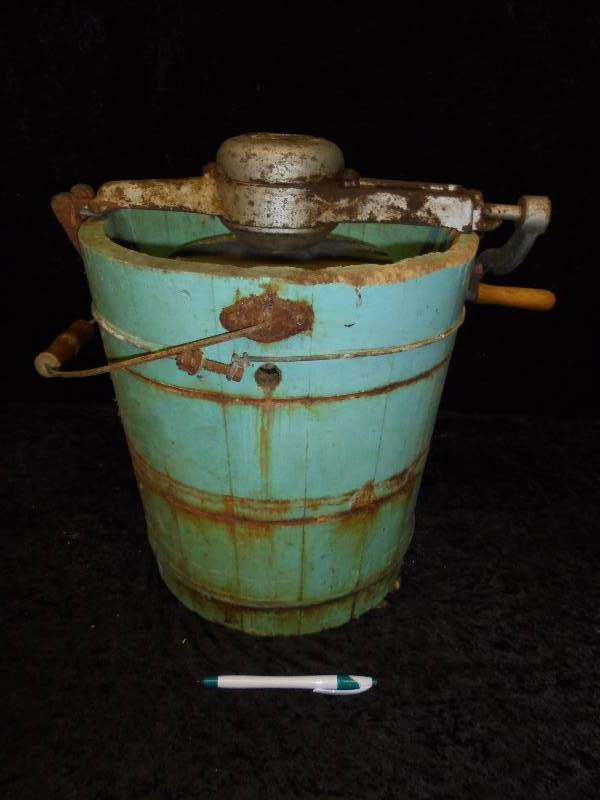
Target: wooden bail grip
x=516 y=297
x=64 y=348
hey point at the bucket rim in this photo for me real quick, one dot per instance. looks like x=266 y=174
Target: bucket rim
x=462 y=250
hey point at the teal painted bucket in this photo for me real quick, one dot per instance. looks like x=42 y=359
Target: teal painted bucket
x=281 y=506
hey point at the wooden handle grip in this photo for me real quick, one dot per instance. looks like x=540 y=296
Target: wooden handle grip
x=64 y=348
x=515 y=296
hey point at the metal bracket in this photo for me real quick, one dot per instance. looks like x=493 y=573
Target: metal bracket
x=193 y=360
x=533 y=220
x=237 y=367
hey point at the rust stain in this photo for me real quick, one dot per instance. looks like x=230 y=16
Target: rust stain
x=266 y=419
x=226 y=399
x=281 y=606
x=262 y=515
x=258 y=530
x=82 y=191
x=229 y=510
x=280 y=318
x=66 y=207
x=267 y=378
x=365 y=497
x=228 y=505
x=381 y=197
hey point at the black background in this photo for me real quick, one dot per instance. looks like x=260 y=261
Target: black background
x=493 y=96
x=488 y=656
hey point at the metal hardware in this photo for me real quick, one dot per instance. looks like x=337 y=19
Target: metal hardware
x=189 y=357
x=237 y=367
x=193 y=361
x=282 y=192
x=277 y=318
x=533 y=220
x=190 y=361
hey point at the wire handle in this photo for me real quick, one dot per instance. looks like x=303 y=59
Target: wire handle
x=66 y=346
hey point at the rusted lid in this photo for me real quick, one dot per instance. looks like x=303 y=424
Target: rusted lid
x=279 y=158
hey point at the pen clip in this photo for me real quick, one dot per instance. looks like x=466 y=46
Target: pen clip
x=340 y=691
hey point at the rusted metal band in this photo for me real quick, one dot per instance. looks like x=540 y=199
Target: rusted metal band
x=198 y=503
x=280 y=606
x=231 y=399
x=144 y=344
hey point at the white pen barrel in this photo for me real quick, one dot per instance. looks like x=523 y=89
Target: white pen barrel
x=277 y=681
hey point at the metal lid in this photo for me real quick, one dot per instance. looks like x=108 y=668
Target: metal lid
x=277 y=158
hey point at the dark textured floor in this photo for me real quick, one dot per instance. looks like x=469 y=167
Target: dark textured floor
x=488 y=658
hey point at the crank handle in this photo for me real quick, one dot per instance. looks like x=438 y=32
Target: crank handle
x=515 y=297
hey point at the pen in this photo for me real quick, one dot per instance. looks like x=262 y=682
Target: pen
x=321 y=684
